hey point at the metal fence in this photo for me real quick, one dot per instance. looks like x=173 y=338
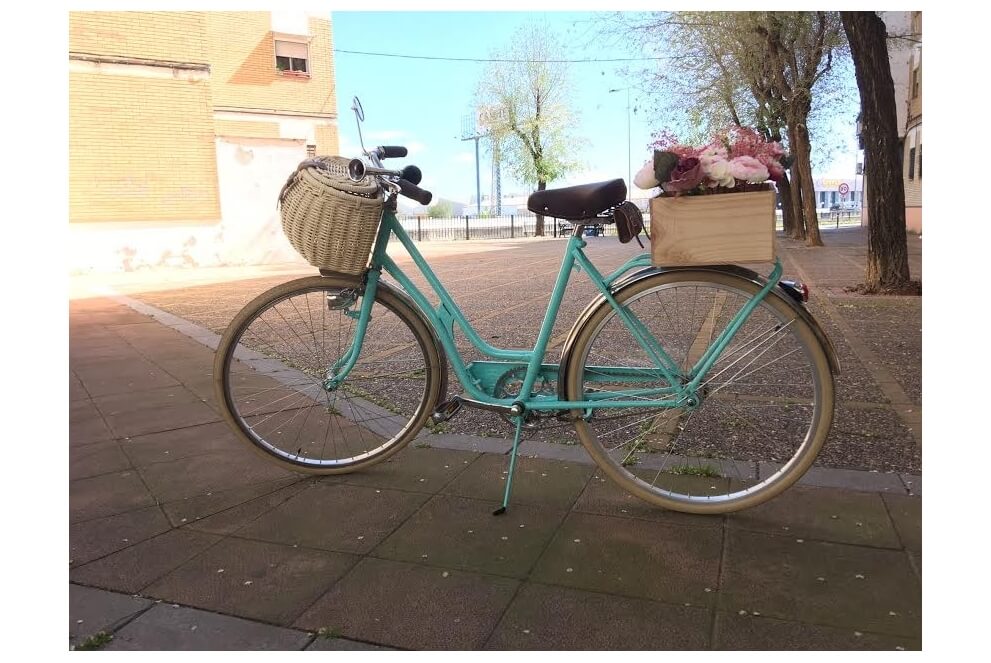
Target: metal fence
x=514 y=226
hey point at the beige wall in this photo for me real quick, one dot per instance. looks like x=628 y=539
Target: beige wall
x=170 y=36
x=140 y=148
x=241 y=48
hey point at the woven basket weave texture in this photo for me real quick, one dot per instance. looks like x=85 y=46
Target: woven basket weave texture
x=329 y=219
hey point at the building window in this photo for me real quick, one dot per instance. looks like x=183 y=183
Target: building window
x=916 y=82
x=920 y=161
x=311 y=150
x=911 y=163
x=292 y=56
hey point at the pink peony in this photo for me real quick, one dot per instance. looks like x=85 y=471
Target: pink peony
x=686 y=176
x=774 y=168
x=748 y=169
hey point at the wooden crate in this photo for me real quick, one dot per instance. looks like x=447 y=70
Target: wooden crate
x=714 y=229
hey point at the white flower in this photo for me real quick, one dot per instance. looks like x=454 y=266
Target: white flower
x=719 y=172
x=712 y=154
x=645 y=179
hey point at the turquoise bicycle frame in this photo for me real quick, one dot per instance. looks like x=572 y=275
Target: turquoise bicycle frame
x=478 y=378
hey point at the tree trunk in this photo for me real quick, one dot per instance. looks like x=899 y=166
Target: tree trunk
x=798 y=215
x=539 y=226
x=887 y=247
x=787 y=215
x=803 y=161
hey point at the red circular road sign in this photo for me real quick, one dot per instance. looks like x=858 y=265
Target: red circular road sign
x=844 y=189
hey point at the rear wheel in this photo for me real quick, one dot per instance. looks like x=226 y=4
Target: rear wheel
x=765 y=407
x=273 y=359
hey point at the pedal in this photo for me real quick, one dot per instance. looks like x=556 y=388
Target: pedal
x=446 y=410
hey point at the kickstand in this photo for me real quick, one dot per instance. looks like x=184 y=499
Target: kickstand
x=512 y=466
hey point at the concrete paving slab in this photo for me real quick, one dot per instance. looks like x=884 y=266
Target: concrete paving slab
x=122 y=376
x=198 y=475
x=823 y=514
x=549 y=483
x=637 y=558
x=156 y=410
x=543 y=617
x=913 y=482
x=76 y=390
x=748 y=632
x=165 y=628
x=95 y=459
x=95 y=538
x=906 y=514
x=106 y=495
x=343 y=644
x=459 y=533
x=232 y=519
x=415 y=469
x=336 y=517
x=86 y=424
x=473 y=443
x=94 y=610
x=144 y=450
x=253 y=579
x=862 y=480
x=134 y=568
x=190 y=509
x=410 y=606
x=865 y=589
x=574 y=453
x=604 y=497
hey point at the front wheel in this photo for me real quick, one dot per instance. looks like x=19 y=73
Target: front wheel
x=763 y=411
x=273 y=361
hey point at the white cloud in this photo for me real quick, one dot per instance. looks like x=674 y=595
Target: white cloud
x=464 y=157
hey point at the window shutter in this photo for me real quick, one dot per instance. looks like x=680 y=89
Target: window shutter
x=291 y=49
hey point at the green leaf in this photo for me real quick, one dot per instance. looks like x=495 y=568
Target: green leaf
x=664 y=163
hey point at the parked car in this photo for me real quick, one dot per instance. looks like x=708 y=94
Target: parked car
x=845 y=207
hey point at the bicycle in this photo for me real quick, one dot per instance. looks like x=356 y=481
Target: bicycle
x=677 y=381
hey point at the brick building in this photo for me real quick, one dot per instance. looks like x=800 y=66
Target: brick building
x=183 y=127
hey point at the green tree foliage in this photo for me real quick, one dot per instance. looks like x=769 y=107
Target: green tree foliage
x=784 y=73
x=442 y=209
x=523 y=103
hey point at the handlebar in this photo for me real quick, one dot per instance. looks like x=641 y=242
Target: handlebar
x=357 y=170
x=411 y=190
x=391 y=151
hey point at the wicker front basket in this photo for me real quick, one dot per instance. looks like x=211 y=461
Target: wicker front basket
x=328 y=218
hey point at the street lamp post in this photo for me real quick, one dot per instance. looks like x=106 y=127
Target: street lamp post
x=629 y=144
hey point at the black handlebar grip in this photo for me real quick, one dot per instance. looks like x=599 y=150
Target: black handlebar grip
x=410 y=190
x=392 y=151
x=412 y=174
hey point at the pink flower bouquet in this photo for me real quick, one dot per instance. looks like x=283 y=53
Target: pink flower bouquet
x=736 y=160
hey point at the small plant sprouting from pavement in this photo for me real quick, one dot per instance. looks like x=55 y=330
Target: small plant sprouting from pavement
x=329 y=632
x=696 y=471
x=436 y=428
x=94 y=642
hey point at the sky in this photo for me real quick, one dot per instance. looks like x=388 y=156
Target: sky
x=422 y=103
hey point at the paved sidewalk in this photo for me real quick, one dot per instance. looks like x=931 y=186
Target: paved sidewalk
x=181 y=538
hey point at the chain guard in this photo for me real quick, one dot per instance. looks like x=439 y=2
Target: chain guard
x=508 y=386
